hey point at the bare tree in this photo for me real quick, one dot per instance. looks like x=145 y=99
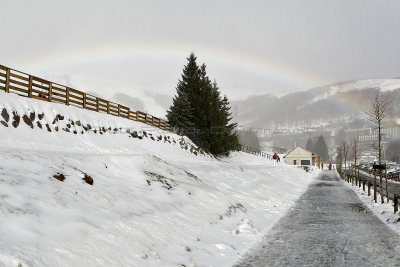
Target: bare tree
x=354 y=147
x=377 y=112
x=345 y=149
x=339 y=154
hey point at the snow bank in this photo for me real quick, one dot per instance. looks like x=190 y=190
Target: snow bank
x=153 y=201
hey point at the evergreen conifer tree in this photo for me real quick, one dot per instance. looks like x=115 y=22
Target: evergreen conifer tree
x=310 y=145
x=321 y=148
x=180 y=115
x=208 y=113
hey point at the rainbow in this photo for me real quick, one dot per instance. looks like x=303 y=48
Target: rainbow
x=171 y=52
x=337 y=100
x=112 y=52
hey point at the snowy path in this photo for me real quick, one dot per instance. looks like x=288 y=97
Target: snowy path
x=328 y=227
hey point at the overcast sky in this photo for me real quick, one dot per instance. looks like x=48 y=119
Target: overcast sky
x=249 y=47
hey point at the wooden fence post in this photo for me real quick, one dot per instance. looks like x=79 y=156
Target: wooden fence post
x=97 y=104
x=67 y=97
x=119 y=110
x=108 y=107
x=84 y=100
x=351 y=177
x=137 y=115
x=369 y=188
x=50 y=91
x=152 y=120
x=30 y=86
x=387 y=191
x=145 y=118
x=381 y=187
x=396 y=203
x=7 y=86
x=355 y=175
x=375 y=197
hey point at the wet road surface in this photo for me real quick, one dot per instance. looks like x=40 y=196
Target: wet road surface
x=329 y=226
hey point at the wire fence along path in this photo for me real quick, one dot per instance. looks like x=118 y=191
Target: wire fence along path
x=13 y=81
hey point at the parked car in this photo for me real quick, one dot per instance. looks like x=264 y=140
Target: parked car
x=394 y=172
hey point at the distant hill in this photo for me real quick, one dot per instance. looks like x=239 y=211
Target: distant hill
x=335 y=104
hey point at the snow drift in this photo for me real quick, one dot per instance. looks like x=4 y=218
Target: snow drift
x=156 y=199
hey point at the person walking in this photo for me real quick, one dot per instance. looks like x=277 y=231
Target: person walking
x=275 y=157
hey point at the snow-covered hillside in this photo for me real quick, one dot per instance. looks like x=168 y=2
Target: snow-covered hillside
x=156 y=200
x=383 y=84
x=338 y=105
x=330 y=90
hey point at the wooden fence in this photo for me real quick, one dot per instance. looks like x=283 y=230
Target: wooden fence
x=353 y=176
x=13 y=81
x=254 y=151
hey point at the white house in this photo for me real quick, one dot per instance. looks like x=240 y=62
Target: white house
x=300 y=156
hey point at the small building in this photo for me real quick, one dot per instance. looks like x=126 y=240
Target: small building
x=300 y=156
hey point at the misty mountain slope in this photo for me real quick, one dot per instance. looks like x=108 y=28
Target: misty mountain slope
x=152 y=202
x=152 y=103
x=132 y=95
x=323 y=105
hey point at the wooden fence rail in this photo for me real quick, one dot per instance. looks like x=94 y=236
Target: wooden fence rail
x=14 y=81
x=352 y=177
x=254 y=151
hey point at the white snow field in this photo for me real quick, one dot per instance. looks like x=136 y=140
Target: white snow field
x=152 y=202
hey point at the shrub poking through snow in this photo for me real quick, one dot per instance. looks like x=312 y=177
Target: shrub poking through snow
x=233 y=209
x=167 y=182
x=59 y=176
x=88 y=179
x=193 y=176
